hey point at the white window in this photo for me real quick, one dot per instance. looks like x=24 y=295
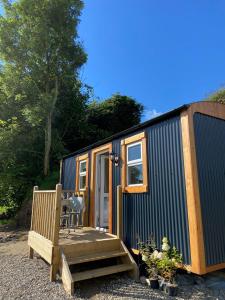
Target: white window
x=134 y=164
x=82 y=174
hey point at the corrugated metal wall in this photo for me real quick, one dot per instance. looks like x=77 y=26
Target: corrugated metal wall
x=68 y=173
x=162 y=211
x=210 y=150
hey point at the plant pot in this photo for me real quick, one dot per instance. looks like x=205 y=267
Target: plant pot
x=171 y=289
x=154 y=283
x=162 y=284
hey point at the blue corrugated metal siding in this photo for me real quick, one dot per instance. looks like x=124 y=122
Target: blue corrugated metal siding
x=210 y=151
x=68 y=173
x=162 y=211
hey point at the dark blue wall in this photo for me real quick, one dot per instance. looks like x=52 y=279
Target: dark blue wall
x=162 y=211
x=210 y=150
x=68 y=173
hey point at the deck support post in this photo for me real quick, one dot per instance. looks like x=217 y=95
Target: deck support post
x=31 y=253
x=53 y=272
x=55 y=253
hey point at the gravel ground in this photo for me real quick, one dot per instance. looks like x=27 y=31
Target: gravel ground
x=21 y=278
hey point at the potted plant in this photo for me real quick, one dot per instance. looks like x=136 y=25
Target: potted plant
x=168 y=265
x=153 y=269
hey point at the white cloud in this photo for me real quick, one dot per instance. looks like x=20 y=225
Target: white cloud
x=150 y=114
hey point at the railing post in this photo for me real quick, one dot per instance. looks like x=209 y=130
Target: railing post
x=119 y=212
x=57 y=214
x=55 y=254
x=31 y=250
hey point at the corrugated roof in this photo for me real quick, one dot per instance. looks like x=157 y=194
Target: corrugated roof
x=157 y=119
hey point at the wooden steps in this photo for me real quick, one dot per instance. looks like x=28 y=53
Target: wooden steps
x=101 y=272
x=95 y=257
x=82 y=261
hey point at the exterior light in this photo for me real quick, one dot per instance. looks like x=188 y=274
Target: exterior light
x=114 y=158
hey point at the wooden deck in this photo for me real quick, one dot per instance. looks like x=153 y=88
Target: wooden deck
x=82 y=235
x=79 y=254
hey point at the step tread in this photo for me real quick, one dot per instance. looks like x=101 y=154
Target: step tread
x=95 y=256
x=101 y=272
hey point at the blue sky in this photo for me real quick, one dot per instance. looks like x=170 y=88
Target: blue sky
x=162 y=53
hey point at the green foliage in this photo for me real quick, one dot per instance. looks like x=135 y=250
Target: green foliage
x=218 y=96
x=40 y=57
x=111 y=116
x=49 y=182
x=44 y=110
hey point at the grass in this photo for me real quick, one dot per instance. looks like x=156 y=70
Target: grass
x=8 y=222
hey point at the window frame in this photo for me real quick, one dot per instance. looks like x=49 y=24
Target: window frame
x=79 y=160
x=134 y=162
x=126 y=143
x=82 y=174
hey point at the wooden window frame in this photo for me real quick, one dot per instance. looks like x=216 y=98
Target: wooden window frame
x=138 y=188
x=80 y=159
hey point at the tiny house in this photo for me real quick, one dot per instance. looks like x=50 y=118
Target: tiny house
x=170 y=172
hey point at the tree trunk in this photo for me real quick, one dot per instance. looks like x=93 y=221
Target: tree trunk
x=48 y=143
x=48 y=132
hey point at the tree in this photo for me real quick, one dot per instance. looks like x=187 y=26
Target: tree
x=41 y=57
x=218 y=96
x=110 y=116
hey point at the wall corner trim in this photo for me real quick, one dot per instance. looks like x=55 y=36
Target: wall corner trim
x=198 y=264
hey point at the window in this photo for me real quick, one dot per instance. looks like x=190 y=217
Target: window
x=81 y=173
x=134 y=164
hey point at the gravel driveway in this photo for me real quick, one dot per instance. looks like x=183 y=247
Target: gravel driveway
x=21 y=278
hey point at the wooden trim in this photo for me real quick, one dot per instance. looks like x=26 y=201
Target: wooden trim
x=135 y=138
x=119 y=212
x=213 y=109
x=78 y=159
x=57 y=209
x=103 y=148
x=215 y=267
x=192 y=194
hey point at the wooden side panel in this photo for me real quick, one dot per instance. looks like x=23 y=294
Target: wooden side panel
x=41 y=245
x=67 y=279
x=46 y=213
x=217 y=110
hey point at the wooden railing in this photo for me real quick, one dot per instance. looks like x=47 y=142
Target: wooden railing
x=46 y=213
